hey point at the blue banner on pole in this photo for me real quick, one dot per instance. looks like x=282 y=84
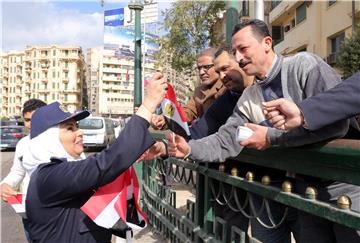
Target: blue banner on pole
x=114 y=17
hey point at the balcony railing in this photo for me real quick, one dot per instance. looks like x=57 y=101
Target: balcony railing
x=219 y=183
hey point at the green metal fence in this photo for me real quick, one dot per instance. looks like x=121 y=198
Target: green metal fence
x=219 y=183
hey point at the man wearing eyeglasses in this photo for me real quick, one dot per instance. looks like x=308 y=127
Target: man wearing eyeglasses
x=209 y=89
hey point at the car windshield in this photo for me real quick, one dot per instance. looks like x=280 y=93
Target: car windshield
x=7 y=130
x=91 y=124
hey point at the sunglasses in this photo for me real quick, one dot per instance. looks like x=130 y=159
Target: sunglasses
x=206 y=67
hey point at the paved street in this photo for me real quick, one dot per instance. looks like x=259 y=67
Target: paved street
x=11 y=226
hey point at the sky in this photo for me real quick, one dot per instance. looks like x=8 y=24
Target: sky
x=42 y=22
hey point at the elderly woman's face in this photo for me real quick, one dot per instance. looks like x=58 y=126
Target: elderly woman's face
x=71 y=137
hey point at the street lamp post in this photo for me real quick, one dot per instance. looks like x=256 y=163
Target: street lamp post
x=137 y=6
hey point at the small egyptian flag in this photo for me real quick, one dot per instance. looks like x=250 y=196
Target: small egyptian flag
x=17 y=202
x=115 y=206
x=174 y=114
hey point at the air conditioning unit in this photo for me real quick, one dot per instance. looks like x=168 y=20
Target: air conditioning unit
x=331 y=59
x=287 y=28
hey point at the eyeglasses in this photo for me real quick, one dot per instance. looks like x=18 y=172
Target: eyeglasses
x=206 y=67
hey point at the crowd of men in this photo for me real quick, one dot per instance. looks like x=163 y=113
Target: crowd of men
x=286 y=101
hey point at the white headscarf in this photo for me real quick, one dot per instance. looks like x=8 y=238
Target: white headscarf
x=43 y=147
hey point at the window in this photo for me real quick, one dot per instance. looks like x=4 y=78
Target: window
x=54 y=52
x=301 y=13
x=336 y=42
x=274 y=3
x=331 y=2
x=245 y=8
x=65 y=97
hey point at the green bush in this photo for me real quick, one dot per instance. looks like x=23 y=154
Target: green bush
x=348 y=59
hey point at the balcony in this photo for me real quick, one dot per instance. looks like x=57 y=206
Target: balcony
x=114 y=70
x=27 y=91
x=19 y=74
x=43 y=58
x=65 y=80
x=72 y=91
x=111 y=78
x=42 y=91
x=45 y=67
x=282 y=10
x=44 y=80
x=294 y=39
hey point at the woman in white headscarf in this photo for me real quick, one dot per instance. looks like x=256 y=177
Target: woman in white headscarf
x=58 y=189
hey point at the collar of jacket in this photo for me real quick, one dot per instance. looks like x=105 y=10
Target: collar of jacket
x=273 y=71
x=58 y=160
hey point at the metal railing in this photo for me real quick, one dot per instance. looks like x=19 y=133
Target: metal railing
x=229 y=185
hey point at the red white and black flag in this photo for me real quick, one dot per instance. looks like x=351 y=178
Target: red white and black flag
x=174 y=114
x=17 y=202
x=115 y=206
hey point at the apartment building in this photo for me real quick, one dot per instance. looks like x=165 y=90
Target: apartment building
x=50 y=73
x=184 y=83
x=315 y=26
x=11 y=74
x=110 y=80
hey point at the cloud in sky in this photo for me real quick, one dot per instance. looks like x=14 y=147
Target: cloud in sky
x=64 y=22
x=43 y=23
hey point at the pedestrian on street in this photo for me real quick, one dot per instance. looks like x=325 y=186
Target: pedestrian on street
x=17 y=176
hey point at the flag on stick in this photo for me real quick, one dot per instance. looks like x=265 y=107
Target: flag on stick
x=116 y=203
x=174 y=113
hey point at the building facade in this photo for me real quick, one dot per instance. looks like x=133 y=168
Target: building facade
x=110 y=81
x=50 y=73
x=315 y=26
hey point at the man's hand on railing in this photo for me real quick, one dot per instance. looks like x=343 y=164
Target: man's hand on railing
x=258 y=139
x=178 y=147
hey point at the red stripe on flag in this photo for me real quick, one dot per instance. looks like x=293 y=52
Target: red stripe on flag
x=121 y=204
x=102 y=197
x=17 y=199
x=137 y=194
x=170 y=95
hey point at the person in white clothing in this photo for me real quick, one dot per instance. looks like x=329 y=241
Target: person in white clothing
x=17 y=177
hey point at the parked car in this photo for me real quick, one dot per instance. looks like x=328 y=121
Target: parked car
x=10 y=136
x=11 y=123
x=98 y=131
